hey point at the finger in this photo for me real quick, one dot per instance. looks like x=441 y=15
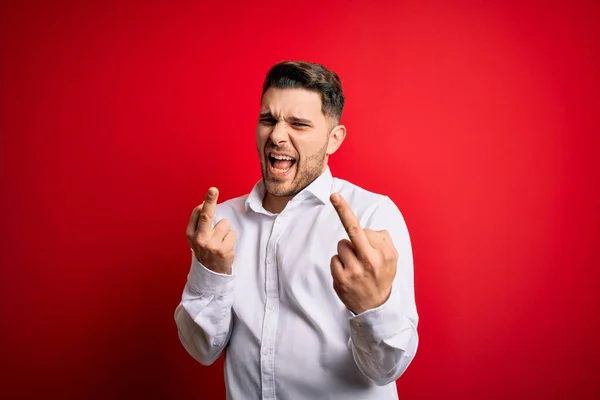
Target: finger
x=190 y=230
x=337 y=268
x=220 y=230
x=351 y=224
x=376 y=238
x=208 y=211
x=229 y=239
x=347 y=255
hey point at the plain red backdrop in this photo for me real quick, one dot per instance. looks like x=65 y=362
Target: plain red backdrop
x=481 y=121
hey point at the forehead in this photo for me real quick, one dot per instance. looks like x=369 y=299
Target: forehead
x=297 y=102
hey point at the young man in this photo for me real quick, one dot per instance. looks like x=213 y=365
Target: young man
x=307 y=281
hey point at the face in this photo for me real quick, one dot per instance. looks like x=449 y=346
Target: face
x=294 y=140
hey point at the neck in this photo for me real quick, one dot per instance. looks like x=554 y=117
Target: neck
x=275 y=204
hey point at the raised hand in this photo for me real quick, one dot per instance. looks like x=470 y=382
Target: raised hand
x=365 y=266
x=213 y=247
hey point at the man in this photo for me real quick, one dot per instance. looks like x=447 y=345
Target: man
x=307 y=281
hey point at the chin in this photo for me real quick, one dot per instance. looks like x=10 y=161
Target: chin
x=278 y=189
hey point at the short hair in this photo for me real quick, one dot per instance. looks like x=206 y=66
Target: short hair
x=311 y=76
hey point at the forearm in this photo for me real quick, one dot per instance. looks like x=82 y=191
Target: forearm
x=204 y=316
x=384 y=341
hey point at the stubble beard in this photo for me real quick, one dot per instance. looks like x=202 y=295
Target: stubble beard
x=306 y=172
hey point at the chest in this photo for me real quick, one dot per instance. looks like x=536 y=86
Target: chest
x=288 y=257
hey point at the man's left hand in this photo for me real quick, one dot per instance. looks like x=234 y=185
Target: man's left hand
x=365 y=266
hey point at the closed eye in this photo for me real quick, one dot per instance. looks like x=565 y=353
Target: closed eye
x=268 y=121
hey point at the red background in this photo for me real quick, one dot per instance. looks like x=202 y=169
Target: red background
x=481 y=121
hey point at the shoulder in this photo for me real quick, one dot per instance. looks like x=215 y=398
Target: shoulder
x=367 y=205
x=358 y=197
x=231 y=209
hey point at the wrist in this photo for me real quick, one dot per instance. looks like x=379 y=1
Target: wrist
x=219 y=268
x=371 y=304
x=204 y=280
x=222 y=271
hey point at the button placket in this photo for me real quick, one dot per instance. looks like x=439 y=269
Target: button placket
x=271 y=314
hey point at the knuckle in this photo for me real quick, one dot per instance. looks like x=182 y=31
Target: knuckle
x=391 y=255
x=367 y=260
x=220 y=253
x=353 y=229
x=360 y=273
x=202 y=243
x=204 y=217
x=367 y=265
x=371 y=235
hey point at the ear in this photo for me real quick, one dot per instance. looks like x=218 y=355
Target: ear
x=336 y=137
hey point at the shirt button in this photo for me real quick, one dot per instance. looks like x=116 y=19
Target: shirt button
x=266 y=352
x=271 y=307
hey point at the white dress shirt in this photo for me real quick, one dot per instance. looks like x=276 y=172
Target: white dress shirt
x=286 y=333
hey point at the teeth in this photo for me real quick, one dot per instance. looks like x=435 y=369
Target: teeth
x=282 y=157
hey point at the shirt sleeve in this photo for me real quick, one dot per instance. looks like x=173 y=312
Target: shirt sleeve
x=203 y=316
x=384 y=340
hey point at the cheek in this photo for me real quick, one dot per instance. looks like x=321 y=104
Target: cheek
x=307 y=147
x=262 y=134
x=299 y=145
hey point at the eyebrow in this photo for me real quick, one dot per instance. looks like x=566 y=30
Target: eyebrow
x=266 y=114
x=299 y=120
x=292 y=119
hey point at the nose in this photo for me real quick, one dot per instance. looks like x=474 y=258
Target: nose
x=279 y=134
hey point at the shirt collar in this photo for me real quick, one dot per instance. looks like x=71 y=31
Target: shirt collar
x=320 y=188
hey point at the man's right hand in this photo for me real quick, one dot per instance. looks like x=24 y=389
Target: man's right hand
x=213 y=247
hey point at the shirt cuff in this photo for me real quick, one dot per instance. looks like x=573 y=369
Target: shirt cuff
x=202 y=280
x=380 y=323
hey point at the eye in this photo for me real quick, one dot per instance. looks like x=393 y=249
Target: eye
x=267 y=121
x=300 y=124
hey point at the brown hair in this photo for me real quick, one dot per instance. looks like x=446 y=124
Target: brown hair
x=310 y=76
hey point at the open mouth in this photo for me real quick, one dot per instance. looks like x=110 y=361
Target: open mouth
x=280 y=164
